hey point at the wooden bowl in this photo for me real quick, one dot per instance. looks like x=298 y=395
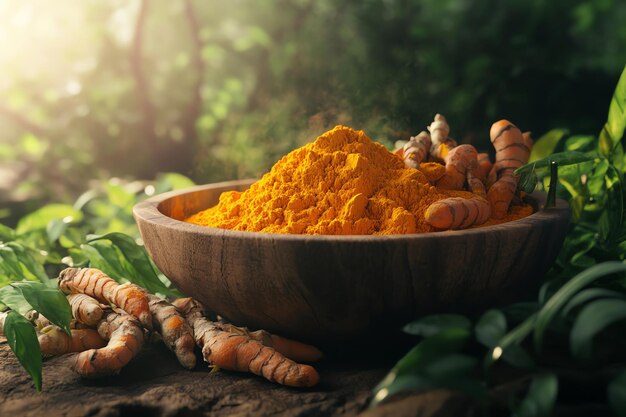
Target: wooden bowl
x=323 y=288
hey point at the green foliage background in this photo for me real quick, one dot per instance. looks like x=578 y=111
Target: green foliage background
x=220 y=90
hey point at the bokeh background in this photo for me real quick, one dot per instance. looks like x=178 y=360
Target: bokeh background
x=118 y=91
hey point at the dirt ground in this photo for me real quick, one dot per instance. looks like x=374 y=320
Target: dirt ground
x=155 y=385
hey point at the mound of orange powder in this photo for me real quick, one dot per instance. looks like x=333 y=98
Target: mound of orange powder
x=343 y=183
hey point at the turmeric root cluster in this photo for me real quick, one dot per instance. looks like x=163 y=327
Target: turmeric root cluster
x=112 y=322
x=463 y=168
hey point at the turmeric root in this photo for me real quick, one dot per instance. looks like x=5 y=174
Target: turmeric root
x=292 y=349
x=97 y=284
x=125 y=336
x=85 y=309
x=441 y=144
x=416 y=150
x=458 y=213
x=54 y=341
x=484 y=166
x=174 y=329
x=528 y=139
x=238 y=352
x=476 y=186
x=512 y=151
x=459 y=161
x=40 y=321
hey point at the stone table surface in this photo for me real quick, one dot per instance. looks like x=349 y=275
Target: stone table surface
x=155 y=385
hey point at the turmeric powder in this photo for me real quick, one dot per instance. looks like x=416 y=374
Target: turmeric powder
x=433 y=171
x=343 y=183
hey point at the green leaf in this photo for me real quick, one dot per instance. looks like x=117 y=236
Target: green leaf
x=596 y=182
x=541 y=397
x=18 y=263
x=430 y=325
x=96 y=260
x=27 y=259
x=50 y=302
x=594 y=318
x=562 y=158
x=143 y=272
x=490 y=328
x=400 y=384
x=10 y=264
x=528 y=182
x=55 y=229
x=587 y=295
x=570 y=176
x=490 y=331
x=118 y=196
x=579 y=143
x=77 y=258
x=12 y=297
x=39 y=219
x=85 y=198
x=6 y=233
x=577 y=244
x=612 y=132
x=616 y=393
x=22 y=340
x=72 y=238
x=545 y=145
x=566 y=292
x=441 y=344
x=418 y=382
x=115 y=264
x=459 y=383
x=451 y=365
x=614 y=203
x=517 y=356
x=433 y=363
x=518 y=312
x=508 y=347
x=4 y=280
x=172 y=181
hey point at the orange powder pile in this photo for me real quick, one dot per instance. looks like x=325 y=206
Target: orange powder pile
x=341 y=184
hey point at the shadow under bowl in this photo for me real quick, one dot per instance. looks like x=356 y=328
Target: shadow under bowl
x=325 y=289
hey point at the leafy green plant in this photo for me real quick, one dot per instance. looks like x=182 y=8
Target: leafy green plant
x=22 y=340
x=581 y=308
x=541 y=397
x=81 y=235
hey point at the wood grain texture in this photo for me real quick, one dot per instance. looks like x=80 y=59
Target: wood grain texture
x=323 y=288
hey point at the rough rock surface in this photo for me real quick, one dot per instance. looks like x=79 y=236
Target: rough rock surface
x=155 y=385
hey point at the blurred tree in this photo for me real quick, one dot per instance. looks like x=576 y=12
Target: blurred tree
x=222 y=89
